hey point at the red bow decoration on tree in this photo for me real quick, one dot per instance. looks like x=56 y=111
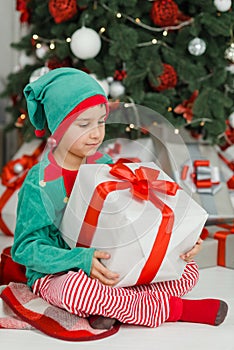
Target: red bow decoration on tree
x=185 y=108
x=22 y=6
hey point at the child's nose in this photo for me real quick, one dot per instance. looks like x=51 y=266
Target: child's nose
x=95 y=131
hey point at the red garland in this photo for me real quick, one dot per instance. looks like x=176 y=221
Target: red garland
x=164 y=13
x=62 y=10
x=168 y=78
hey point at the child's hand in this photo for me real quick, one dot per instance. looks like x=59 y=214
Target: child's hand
x=194 y=251
x=100 y=272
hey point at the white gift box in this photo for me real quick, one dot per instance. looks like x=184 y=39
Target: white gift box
x=144 y=247
x=8 y=198
x=207 y=257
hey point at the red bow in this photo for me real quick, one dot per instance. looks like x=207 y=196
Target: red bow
x=143 y=180
x=185 y=108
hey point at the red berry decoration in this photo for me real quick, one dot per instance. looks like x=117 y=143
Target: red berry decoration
x=62 y=10
x=120 y=74
x=168 y=78
x=164 y=13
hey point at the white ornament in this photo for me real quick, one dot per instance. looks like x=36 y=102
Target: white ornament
x=110 y=80
x=39 y=72
x=26 y=60
x=231 y=119
x=41 y=51
x=229 y=53
x=18 y=168
x=116 y=89
x=103 y=83
x=223 y=5
x=85 y=43
x=230 y=68
x=197 y=46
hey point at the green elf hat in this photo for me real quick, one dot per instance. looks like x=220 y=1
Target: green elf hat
x=60 y=94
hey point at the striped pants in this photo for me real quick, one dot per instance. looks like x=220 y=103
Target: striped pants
x=146 y=305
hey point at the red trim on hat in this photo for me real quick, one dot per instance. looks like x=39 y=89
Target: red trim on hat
x=69 y=119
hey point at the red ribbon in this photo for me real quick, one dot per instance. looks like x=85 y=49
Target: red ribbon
x=13 y=181
x=204 y=183
x=221 y=236
x=230 y=164
x=143 y=183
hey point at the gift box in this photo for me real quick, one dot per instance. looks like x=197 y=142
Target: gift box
x=12 y=177
x=225 y=238
x=227 y=166
x=139 y=150
x=205 y=183
x=138 y=214
x=207 y=257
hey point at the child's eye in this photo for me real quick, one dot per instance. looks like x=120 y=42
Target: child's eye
x=101 y=122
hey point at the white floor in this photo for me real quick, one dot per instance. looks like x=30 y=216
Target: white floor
x=215 y=282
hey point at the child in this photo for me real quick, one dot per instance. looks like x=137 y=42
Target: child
x=75 y=108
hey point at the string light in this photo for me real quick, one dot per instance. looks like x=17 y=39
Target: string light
x=52 y=45
x=153 y=29
x=176 y=131
x=169 y=109
x=165 y=33
x=102 y=30
x=68 y=40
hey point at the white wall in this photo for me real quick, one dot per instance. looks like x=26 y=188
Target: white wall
x=10 y=29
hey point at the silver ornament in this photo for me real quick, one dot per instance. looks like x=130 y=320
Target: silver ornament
x=18 y=168
x=197 y=46
x=229 y=53
x=39 y=72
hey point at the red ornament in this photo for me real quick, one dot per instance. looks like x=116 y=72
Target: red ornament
x=164 y=13
x=62 y=10
x=55 y=62
x=185 y=108
x=168 y=78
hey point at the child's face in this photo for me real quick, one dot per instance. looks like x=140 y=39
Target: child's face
x=84 y=135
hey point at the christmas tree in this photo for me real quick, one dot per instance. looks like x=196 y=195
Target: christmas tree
x=174 y=56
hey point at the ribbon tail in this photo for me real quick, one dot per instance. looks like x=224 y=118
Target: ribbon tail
x=161 y=243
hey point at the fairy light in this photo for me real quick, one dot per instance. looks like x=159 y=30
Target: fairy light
x=68 y=40
x=137 y=20
x=165 y=33
x=22 y=116
x=202 y=123
x=118 y=15
x=52 y=45
x=169 y=109
x=131 y=126
x=154 y=41
x=102 y=30
x=38 y=45
x=176 y=131
x=35 y=36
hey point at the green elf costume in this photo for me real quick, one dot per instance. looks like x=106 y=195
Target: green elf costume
x=56 y=98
